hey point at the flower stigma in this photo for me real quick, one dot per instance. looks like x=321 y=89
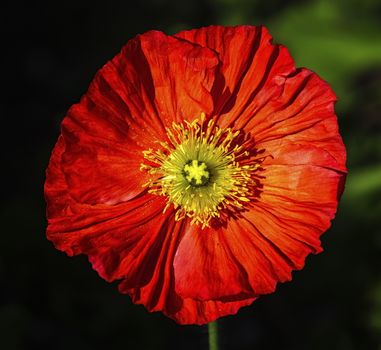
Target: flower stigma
x=201 y=169
x=196 y=173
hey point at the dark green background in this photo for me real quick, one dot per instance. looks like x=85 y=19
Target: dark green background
x=51 y=50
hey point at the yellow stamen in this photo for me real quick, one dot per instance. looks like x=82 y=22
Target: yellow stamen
x=199 y=172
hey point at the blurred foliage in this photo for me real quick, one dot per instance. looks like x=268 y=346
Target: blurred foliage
x=50 y=301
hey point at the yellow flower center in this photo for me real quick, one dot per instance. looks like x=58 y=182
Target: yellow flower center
x=196 y=173
x=200 y=171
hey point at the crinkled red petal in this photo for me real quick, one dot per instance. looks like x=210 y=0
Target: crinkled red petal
x=231 y=263
x=302 y=114
x=182 y=75
x=78 y=228
x=190 y=311
x=203 y=251
x=253 y=70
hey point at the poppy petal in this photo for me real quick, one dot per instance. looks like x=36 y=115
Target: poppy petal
x=100 y=170
x=232 y=262
x=55 y=188
x=202 y=251
x=251 y=81
x=302 y=114
x=292 y=211
x=132 y=246
x=199 y=312
x=183 y=75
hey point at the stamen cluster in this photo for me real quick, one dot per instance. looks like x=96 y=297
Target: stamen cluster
x=198 y=169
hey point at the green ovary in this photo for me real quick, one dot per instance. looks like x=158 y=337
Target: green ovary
x=196 y=173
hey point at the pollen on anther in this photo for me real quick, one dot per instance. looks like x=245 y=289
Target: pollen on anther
x=199 y=172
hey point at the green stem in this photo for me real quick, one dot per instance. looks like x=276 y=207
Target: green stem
x=213 y=335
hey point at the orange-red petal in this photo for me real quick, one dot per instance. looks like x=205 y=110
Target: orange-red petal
x=253 y=70
x=182 y=75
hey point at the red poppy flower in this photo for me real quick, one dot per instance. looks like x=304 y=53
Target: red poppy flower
x=199 y=169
